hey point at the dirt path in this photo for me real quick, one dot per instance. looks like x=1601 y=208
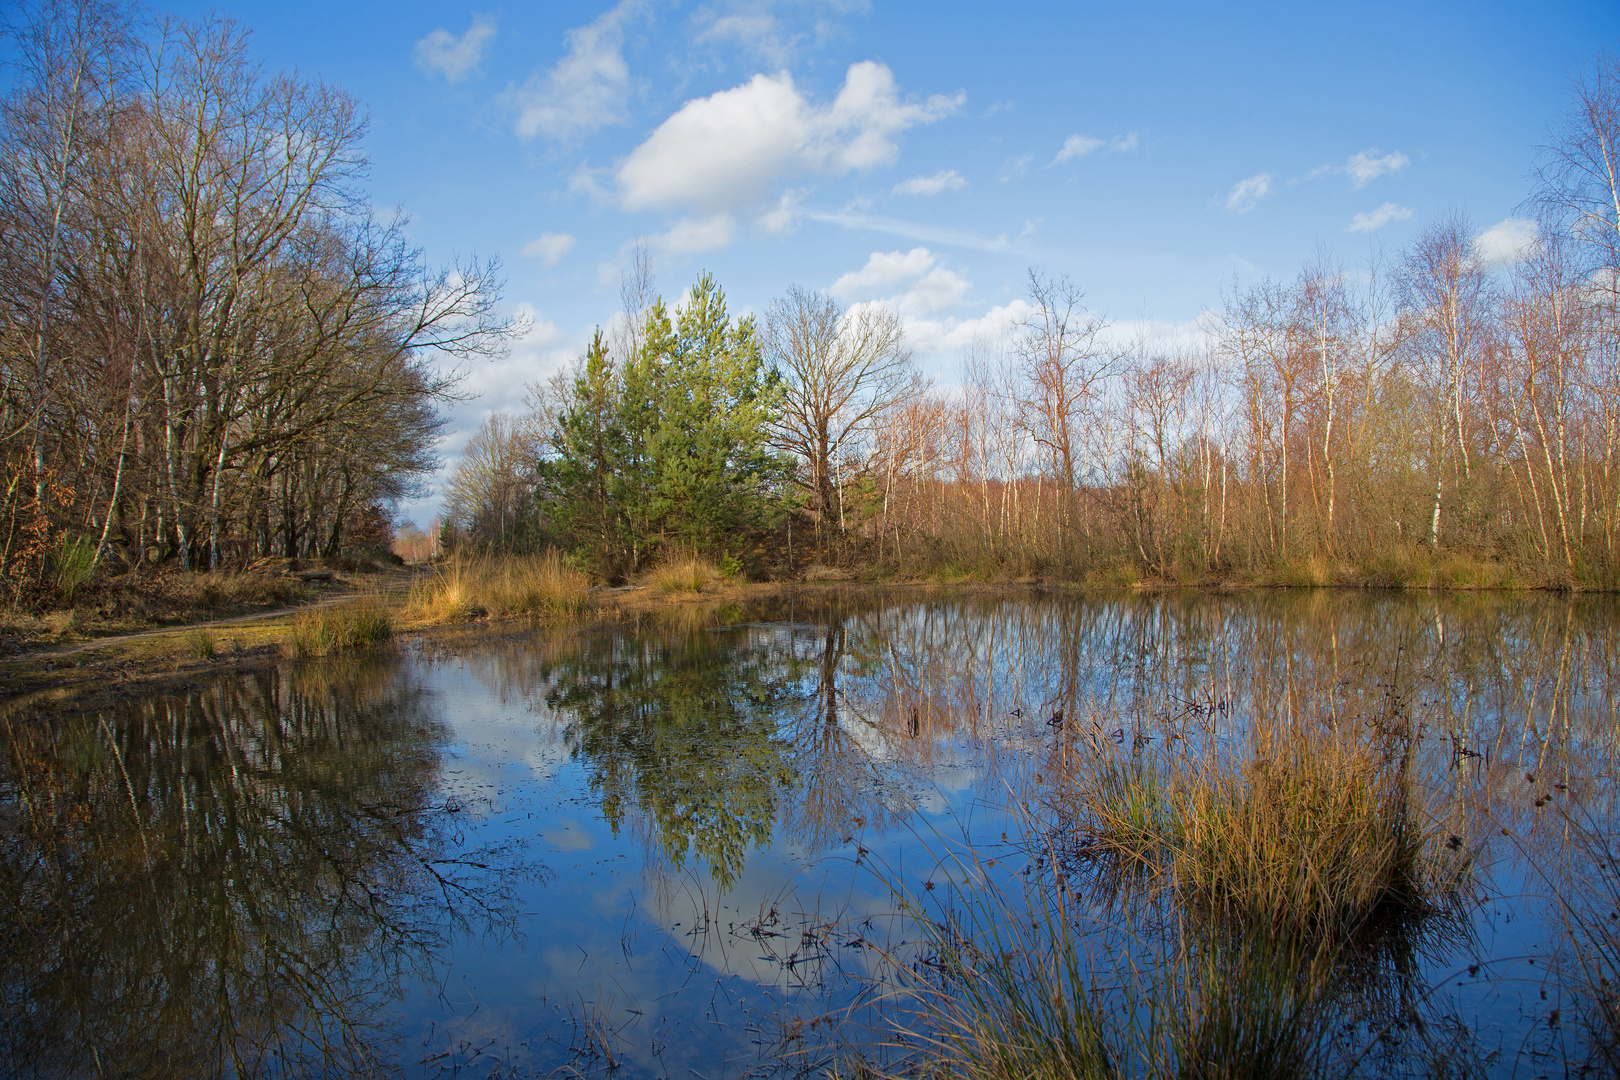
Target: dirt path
x=58 y=651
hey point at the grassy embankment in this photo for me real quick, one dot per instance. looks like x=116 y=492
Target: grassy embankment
x=205 y=610
x=182 y=624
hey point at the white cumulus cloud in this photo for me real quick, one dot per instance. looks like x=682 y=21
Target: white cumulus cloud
x=1377 y=219
x=730 y=149
x=549 y=247
x=1506 y=242
x=910 y=282
x=456 y=58
x=883 y=270
x=586 y=89
x=1246 y=195
x=944 y=180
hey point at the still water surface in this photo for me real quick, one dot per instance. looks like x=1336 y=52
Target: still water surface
x=675 y=849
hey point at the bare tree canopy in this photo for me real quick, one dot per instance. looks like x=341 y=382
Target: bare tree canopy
x=841 y=370
x=210 y=346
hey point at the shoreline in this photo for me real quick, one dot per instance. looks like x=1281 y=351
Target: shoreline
x=256 y=640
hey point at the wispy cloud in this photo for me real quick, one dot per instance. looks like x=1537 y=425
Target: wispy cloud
x=757 y=31
x=583 y=91
x=1015 y=167
x=1081 y=145
x=911 y=230
x=549 y=247
x=456 y=58
x=1246 y=195
x=1363 y=167
x=944 y=180
x=708 y=232
x=1077 y=146
x=1366 y=166
x=1377 y=219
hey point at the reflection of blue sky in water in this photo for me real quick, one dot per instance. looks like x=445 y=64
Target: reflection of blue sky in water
x=939 y=714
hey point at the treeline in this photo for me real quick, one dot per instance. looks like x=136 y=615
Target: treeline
x=1434 y=415
x=211 y=348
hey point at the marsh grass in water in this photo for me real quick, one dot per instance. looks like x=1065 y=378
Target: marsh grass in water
x=358 y=624
x=1303 y=831
x=1218 y=909
x=515 y=585
x=1016 y=982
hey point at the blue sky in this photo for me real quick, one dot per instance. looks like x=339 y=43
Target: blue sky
x=928 y=154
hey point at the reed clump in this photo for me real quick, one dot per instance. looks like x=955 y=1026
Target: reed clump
x=688 y=574
x=200 y=644
x=1304 y=833
x=343 y=628
x=513 y=585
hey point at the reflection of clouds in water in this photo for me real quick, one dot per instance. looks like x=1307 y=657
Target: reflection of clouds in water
x=783 y=897
x=494 y=744
x=944 y=709
x=568 y=835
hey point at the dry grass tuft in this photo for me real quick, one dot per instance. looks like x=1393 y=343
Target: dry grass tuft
x=469 y=588
x=199 y=643
x=356 y=625
x=1012 y=986
x=61 y=624
x=1304 y=833
x=218 y=591
x=688 y=574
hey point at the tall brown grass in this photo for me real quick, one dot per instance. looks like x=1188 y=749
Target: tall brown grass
x=346 y=627
x=1304 y=831
x=1012 y=986
x=224 y=590
x=684 y=574
x=1210 y=909
x=469 y=588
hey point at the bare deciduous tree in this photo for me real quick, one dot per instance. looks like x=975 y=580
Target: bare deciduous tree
x=842 y=369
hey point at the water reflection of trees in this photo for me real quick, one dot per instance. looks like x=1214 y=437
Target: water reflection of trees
x=681 y=728
x=836 y=716
x=229 y=880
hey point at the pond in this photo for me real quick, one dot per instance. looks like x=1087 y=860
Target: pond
x=731 y=842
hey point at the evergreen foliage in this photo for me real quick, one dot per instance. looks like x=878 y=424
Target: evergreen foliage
x=667 y=446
